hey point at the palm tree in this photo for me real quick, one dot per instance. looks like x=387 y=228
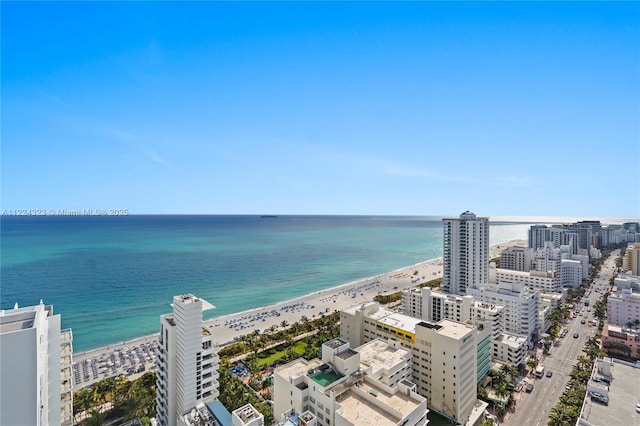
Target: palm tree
x=284 y=324
x=557 y=417
x=584 y=363
x=97 y=418
x=81 y=401
x=120 y=390
x=509 y=370
x=502 y=392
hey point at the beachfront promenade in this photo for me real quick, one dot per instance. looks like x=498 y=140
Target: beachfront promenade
x=133 y=358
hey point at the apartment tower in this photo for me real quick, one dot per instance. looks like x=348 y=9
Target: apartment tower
x=466 y=253
x=186 y=360
x=35 y=368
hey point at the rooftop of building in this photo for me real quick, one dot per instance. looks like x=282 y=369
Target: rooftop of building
x=335 y=343
x=211 y=414
x=293 y=419
x=619 y=329
x=352 y=310
x=453 y=329
x=512 y=340
x=324 y=375
x=623 y=396
x=346 y=354
x=247 y=413
x=190 y=298
x=297 y=368
x=394 y=319
x=17 y=319
x=487 y=306
x=367 y=411
x=15 y=325
x=379 y=355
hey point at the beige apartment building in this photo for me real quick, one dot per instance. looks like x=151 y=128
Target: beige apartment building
x=444 y=354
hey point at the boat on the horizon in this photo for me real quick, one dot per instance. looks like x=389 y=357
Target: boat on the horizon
x=268 y=216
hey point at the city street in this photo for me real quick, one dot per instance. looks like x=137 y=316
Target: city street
x=533 y=408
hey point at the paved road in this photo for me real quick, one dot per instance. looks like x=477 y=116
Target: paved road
x=533 y=408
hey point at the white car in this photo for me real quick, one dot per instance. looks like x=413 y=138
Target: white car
x=638 y=407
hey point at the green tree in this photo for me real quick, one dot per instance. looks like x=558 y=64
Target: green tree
x=97 y=418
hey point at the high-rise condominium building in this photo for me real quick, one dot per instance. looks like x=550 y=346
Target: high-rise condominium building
x=35 y=368
x=465 y=253
x=186 y=361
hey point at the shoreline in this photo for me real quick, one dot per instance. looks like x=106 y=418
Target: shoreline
x=230 y=327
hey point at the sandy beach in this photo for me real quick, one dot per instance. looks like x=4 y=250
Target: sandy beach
x=117 y=358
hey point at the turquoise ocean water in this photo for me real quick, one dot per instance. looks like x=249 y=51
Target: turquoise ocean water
x=111 y=277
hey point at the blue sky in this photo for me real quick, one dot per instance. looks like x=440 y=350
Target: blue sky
x=322 y=108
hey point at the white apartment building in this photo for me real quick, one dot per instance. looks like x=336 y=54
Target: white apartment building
x=558 y=236
x=465 y=253
x=510 y=349
x=570 y=273
x=554 y=300
x=369 y=385
x=186 y=361
x=547 y=281
x=616 y=234
x=623 y=307
x=505 y=347
x=444 y=354
x=516 y=258
x=491 y=313
x=626 y=280
x=433 y=306
x=544 y=318
x=521 y=307
x=35 y=368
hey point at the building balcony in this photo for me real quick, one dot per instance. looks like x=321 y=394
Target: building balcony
x=66 y=336
x=66 y=386
x=65 y=361
x=66 y=374
x=65 y=349
x=66 y=416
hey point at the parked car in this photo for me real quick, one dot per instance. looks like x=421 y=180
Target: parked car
x=529 y=388
x=576 y=335
x=549 y=373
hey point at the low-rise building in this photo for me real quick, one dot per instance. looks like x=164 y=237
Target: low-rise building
x=553 y=300
x=510 y=349
x=369 y=385
x=247 y=415
x=623 y=308
x=621 y=341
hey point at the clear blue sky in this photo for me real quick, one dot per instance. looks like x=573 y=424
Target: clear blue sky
x=322 y=108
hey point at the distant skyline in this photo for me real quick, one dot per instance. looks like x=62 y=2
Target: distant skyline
x=420 y=108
